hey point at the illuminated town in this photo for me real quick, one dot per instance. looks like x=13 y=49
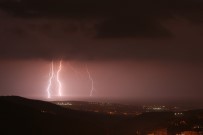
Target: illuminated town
x=176 y=121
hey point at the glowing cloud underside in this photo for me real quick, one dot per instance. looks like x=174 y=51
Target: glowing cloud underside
x=92 y=81
x=58 y=80
x=51 y=74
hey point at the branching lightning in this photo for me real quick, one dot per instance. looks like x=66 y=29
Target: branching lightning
x=92 y=81
x=51 y=74
x=58 y=80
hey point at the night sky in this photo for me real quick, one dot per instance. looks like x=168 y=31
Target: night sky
x=134 y=49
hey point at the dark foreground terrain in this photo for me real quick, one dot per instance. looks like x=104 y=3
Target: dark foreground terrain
x=32 y=117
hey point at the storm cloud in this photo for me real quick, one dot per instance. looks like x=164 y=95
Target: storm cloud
x=103 y=30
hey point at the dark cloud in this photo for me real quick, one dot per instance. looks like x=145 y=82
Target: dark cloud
x=122 y=18
x=101 y=29
x=131 y=27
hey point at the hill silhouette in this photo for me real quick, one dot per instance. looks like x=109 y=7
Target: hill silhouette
x=23 y=116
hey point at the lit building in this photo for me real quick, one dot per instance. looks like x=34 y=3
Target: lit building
x=189 y=133
x=158 y=132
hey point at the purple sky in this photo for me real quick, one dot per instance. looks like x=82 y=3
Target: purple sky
x=134 y=50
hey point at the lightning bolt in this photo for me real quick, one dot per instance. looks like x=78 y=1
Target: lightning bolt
x=57 y=78
x=92 y=81
x=51 y=74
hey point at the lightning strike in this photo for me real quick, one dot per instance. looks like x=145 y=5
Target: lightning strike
x=92 y=81
x=51 y=74
x=58 y=80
